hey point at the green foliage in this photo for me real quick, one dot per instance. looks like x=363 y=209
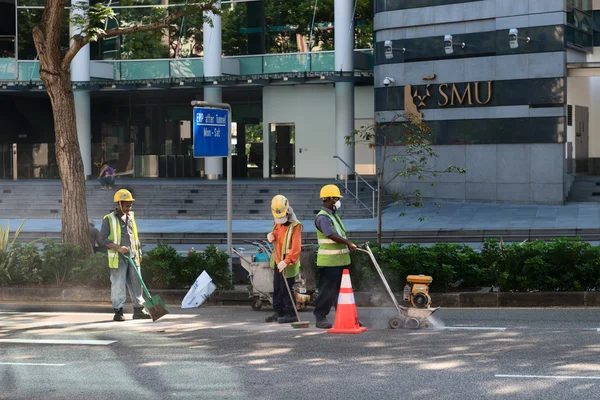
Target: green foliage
x=24 y=265
x=164 y=268
x=160 y=266
x=6 y=248
x=92 y=271
x=561 y=265
x=58 y=261
x=211 y=260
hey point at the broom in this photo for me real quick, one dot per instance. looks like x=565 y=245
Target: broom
x=155 y=306
x=299 y=323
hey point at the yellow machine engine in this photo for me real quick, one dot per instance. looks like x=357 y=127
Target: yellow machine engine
x=416 y=290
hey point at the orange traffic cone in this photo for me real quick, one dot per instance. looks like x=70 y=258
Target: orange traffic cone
x=346 y=318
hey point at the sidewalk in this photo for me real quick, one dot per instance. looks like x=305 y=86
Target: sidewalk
x=451 y=216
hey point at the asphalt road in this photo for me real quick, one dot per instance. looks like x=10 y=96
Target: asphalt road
x=229 y=353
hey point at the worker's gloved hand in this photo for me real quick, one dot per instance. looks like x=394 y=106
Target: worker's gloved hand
x=270 y=237
x=281 y=266
x=352 y=246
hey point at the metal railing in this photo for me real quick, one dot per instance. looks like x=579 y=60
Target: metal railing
x=374 y=209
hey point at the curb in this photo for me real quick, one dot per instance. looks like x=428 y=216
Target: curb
x=363 y=299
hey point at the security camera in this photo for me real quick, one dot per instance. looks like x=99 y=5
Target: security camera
x=389 y=52
x=448 y=44
x=387 y=81
x=513 y=38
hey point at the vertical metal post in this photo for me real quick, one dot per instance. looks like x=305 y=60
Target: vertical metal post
x=373 y=195
x=356 y=179
x=229 y=194
x=14 y=161
x=346 y=181
x=378 y=192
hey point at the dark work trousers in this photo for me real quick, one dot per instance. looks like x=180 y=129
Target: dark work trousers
x=330 y=279
x=281 y=298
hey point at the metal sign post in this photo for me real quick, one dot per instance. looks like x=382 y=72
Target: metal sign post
x=14 y=161
x=212 y=138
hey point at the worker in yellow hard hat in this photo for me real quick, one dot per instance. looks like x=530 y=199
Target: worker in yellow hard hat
x=286 y=237
x=333 y=254
x=119 y=234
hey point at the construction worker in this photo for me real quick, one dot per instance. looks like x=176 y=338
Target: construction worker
x=333 y=254
x=120 y=235
x=285 y=259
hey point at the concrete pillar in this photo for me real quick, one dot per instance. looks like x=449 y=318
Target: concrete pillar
x=344 y=91
x=80 y=72
x=84 y=129
x=213 y=68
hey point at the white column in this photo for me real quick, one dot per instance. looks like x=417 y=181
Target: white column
x=344 y=91
x=80 y=72
x=212 y=68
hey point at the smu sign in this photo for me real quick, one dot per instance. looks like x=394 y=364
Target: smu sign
x=211 y=132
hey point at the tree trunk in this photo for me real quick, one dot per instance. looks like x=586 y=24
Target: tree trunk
x=57 y=79
x=70 y=163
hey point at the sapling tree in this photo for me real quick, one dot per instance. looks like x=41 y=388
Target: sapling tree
x=403 y=144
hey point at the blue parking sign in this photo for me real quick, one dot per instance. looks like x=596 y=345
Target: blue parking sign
x=211 y=132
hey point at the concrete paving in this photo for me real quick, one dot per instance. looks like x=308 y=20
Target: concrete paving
x=229 y=353
x=449 y=216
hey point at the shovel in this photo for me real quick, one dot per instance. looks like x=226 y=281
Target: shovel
x=155 y=306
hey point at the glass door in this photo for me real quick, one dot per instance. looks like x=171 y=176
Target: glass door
x=282 y=150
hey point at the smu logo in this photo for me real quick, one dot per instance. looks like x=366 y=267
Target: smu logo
x=199 y=118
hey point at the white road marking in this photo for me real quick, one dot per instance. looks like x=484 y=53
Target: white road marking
x=474 y=328
x=547 y=377
x=33 y=364
x=51 y=341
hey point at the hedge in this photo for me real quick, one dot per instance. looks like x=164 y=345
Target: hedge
x=561 y=265
x=62 y=264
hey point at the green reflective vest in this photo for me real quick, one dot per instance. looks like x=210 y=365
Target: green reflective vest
x=115 y=237
x=291 y=270
x=330 y=253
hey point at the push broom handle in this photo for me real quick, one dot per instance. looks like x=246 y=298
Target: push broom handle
x=138 y=274
x=286 y=284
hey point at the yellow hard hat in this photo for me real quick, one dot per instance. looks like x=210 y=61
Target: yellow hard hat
x=123 y=195
x=330 y=191
x=279 y=207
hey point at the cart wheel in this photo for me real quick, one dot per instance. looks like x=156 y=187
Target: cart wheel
x=257 y=305
x=412 y=323
x=395 y=322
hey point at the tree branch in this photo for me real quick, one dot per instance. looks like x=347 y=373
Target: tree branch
x=78 y=43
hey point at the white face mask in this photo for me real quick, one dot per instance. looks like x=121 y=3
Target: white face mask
x=338 y=205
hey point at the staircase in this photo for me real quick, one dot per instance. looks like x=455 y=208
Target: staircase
x=585 y=190
x=178 y=199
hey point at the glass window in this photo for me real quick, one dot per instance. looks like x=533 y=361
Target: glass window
x=257 y=27
x=27 y=19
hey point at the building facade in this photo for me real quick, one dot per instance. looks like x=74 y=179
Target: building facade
x=496 y=82
x=296 y=84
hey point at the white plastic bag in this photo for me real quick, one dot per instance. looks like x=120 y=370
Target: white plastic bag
x=199 y=292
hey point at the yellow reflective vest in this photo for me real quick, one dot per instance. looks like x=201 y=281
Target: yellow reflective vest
x=115 y=237
x=330 y=253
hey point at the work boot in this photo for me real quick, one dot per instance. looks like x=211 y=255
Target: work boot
x=274 y=317
x=119 y=314
x=141 y=313
x=287 y=319
x=323 y=323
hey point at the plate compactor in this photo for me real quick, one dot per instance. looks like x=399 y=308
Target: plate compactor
x=416 y=293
